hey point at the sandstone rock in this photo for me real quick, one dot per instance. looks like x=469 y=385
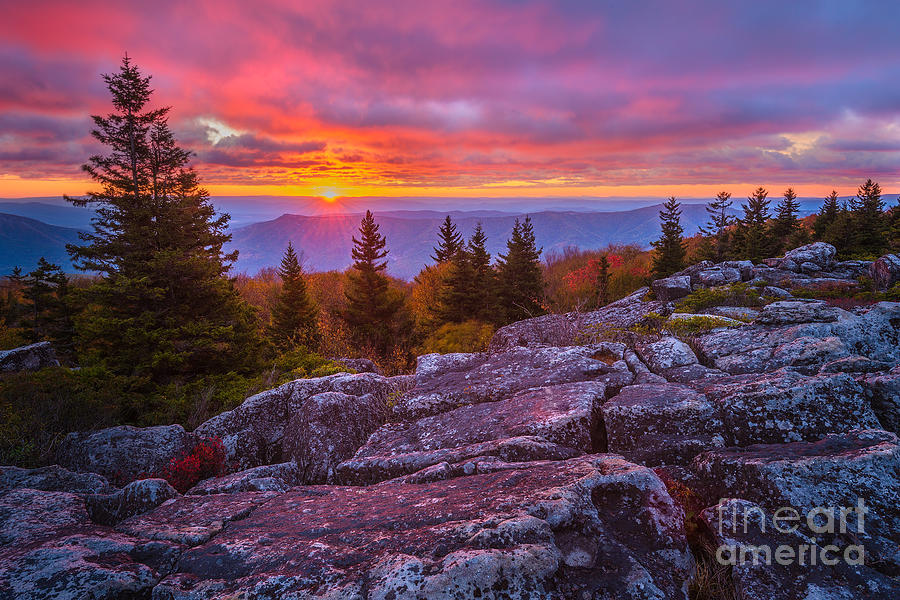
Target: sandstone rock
x=328 y=428
x=642 y=374
x=135 y=498
x=739 y=526
x=618 y=315
x=786 y=406
x=818 y=254
x=661 y=424
x=27 y=515
x=53 y=479
x=561 y=421
x=124 y=453
x=855 y=364
x=671 y=288
x=837 y=471
x=883 y=392
x=28 y=358
x=716 y=276
x=788 y=312
x=744 y=267
x=739 y=313
x=544 y=530
x=885 y=271
x=666 y=353
x=193 y=520
x=253 y=433
x=505 y=374
x=546 y=330
x=267 y=478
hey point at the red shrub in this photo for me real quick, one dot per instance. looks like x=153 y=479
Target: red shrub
x=206 y=459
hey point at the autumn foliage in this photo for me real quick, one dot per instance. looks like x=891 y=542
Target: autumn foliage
x=206 y=459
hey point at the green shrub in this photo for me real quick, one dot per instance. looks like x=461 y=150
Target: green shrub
x=697 y=325
x=470 y=336
x=736 y=294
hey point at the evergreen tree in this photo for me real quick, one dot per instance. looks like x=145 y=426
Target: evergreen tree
x=449 y=242
x=669 y=249
x=520 y=281
x=13 y=308
x=484 y=280
x=826 y=218
x=754 y=241
x=294 y=316
x=717 y=228
x=457 y=297
x=786 y=226
x=868 y=221
x=163 y=307
x=47 y=289
x=371 y=304
x=603 y=281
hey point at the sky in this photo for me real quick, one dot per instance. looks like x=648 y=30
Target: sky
x=468 y=98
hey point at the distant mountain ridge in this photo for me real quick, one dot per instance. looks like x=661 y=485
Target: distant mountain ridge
x=23 y=241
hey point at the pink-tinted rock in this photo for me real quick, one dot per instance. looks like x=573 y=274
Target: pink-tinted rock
x=53 y=479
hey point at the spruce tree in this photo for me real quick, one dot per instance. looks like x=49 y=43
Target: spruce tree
x=717 y=228
x=826 y=218
x=484 y=279
x=457 y=297
x=47 y=289
x=755 y=242
x=163 y=307
x=669 y=249
x=371 y=304
x=786 y=226
x=520 y=281
x=294 y=316
x=868 y=221
x=449 y=242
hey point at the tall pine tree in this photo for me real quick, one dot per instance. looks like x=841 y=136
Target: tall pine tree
x=669 y=249
x=717 y=227
x=50 y=318
x=786 y=226
x=371 y=304
x=163 y=307
x=520 y=281
x=294 y=316
x=753 y=240
x=868 y=221
x=826 y=218
x=484 y=279
x=449 y=242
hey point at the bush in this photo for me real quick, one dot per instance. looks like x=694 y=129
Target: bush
x=206 y=459
x=470 y=336
x=697 y=325
x=737 y=294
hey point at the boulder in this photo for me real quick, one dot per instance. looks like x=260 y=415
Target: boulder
x=28 y=358
x=666 y=353
x=544 y=530
x=135 y=498
x=661 y=424
x=552 y=422
x=819 y=254
x=786 y=406
x=788 y=312
x=328 y=428
x=546 y=330
x=53 y=479
x=124 y=453
x=619 y=315
x=504 y=374
x=253 y=433
x=358 y=365
x=883 y=393
x=885 y=271
x=841 y=470
x=671 y=288
x=267 y=478
x=746 y=538
x=716 y=276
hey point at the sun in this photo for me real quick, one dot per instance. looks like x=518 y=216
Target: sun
x=328 y=194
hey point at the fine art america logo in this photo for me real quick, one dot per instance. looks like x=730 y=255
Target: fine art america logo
x=821 y=520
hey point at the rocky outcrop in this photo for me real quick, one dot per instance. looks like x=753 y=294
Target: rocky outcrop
x=53 y=479
x=359 y=365
x=254 y=432
x=135 y=498
x=542 y=530
x=885 y=271
x=883 y=392
x=267 y=478
x=124 y=453
x=811 y=258
x=671 y=288
x=28 y=358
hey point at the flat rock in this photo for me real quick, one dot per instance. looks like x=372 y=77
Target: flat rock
x=539 y=531
x=267 y=478
x=504 y=374
x=546 y=330
x=28 y=358
x=786 y=406
x=671 y=288
x=666 y=353
x=661 y=424
x=53 y=479
x=124 y=453
x=253 y=433
x=565 y=416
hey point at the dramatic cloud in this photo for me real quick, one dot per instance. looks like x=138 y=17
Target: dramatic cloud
x=463 y=96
